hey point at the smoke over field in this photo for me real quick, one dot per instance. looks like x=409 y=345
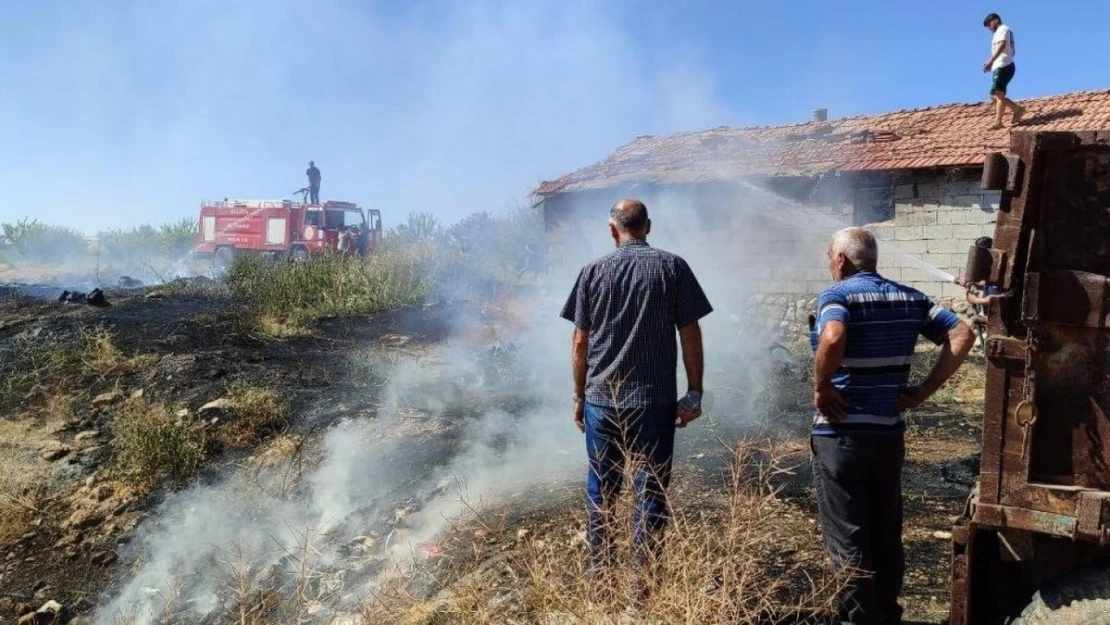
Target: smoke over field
x=425 y=437
x=40 y=252
x=449 y=112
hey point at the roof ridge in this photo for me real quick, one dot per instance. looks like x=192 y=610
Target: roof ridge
x=944 y=135
x=837 y=120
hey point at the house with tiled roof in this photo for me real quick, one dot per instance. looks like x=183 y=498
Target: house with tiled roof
x=911 y=176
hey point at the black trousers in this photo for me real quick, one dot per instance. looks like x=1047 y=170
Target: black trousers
x=859 y=497
x=314 y=195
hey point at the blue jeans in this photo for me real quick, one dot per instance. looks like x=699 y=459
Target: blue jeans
x=643 y=437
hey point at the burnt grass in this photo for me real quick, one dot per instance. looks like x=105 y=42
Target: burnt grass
x=195 y=348
x=192 y=349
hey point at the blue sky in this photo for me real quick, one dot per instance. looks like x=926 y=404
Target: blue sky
x=117 y=113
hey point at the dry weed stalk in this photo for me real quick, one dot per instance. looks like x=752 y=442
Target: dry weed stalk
x=19 y=504
x=725 y=562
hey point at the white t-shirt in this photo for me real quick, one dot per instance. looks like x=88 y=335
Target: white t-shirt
x=1005 y=36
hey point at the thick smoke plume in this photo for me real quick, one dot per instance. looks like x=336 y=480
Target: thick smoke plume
x=483 y=418
x=478 y=418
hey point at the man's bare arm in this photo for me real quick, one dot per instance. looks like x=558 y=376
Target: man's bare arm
x=999 y=48
x=580 y=346
x=830 y=353
x=953 y=353
x=693 y=356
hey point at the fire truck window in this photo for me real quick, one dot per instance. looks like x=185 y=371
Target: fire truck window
x=313 y=218
x=343 y=219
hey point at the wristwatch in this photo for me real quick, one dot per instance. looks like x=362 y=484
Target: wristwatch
x=578 y=399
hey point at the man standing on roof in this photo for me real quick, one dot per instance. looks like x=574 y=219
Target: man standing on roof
x=864 y=332
x=313 y=183
x=1002 y=68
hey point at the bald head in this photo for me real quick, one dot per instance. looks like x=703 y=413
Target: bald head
x=858 y=247
x=629 y=217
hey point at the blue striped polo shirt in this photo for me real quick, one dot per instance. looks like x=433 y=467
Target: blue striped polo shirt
x=883 y=320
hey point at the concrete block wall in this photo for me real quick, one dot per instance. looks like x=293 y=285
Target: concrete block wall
x=935 y=220
x=786 y=254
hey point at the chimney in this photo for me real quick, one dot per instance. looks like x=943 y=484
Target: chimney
x=820 y=115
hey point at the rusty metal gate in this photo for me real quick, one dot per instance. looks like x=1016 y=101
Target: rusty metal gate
x=1043 y=505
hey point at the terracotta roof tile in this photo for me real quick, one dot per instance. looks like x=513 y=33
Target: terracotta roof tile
x=952 y=135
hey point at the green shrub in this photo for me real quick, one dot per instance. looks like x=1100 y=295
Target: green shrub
x=419 y=228
x=153 y=445
x=484 y=252
x=419 y=260
x=31 y=240
x=329 y=285
x=178 y=237
x=169 y=241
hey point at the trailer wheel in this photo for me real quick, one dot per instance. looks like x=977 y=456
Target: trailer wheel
x=1081 y=598
x=223 y=258
x=300 y=254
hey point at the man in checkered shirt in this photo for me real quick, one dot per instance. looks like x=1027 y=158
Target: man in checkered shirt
x=626 y=307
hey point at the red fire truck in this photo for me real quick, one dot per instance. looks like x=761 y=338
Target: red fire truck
x=281 y=228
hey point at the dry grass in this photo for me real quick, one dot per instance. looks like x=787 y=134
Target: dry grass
x=258 y=412
x=58 y=408
x=276 y=451
x=153 y=445
x=969 y=382
x=234 y=323
x=38 y=369
x=726 y=562
x=20 y=503
x=253 y=593
x=966 y=386
x=276 y=328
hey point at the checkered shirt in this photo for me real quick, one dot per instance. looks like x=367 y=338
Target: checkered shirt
x=631 y=302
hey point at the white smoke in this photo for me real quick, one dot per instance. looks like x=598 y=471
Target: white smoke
x=508 y=91
x=460 y=415
x=488 y=416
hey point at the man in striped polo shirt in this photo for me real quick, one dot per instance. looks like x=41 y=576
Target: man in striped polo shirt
x=864 y=333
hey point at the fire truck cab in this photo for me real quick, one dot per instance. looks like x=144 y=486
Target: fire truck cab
x=281 y=228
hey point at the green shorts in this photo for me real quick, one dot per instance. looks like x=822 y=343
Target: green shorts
x=1001 y=77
